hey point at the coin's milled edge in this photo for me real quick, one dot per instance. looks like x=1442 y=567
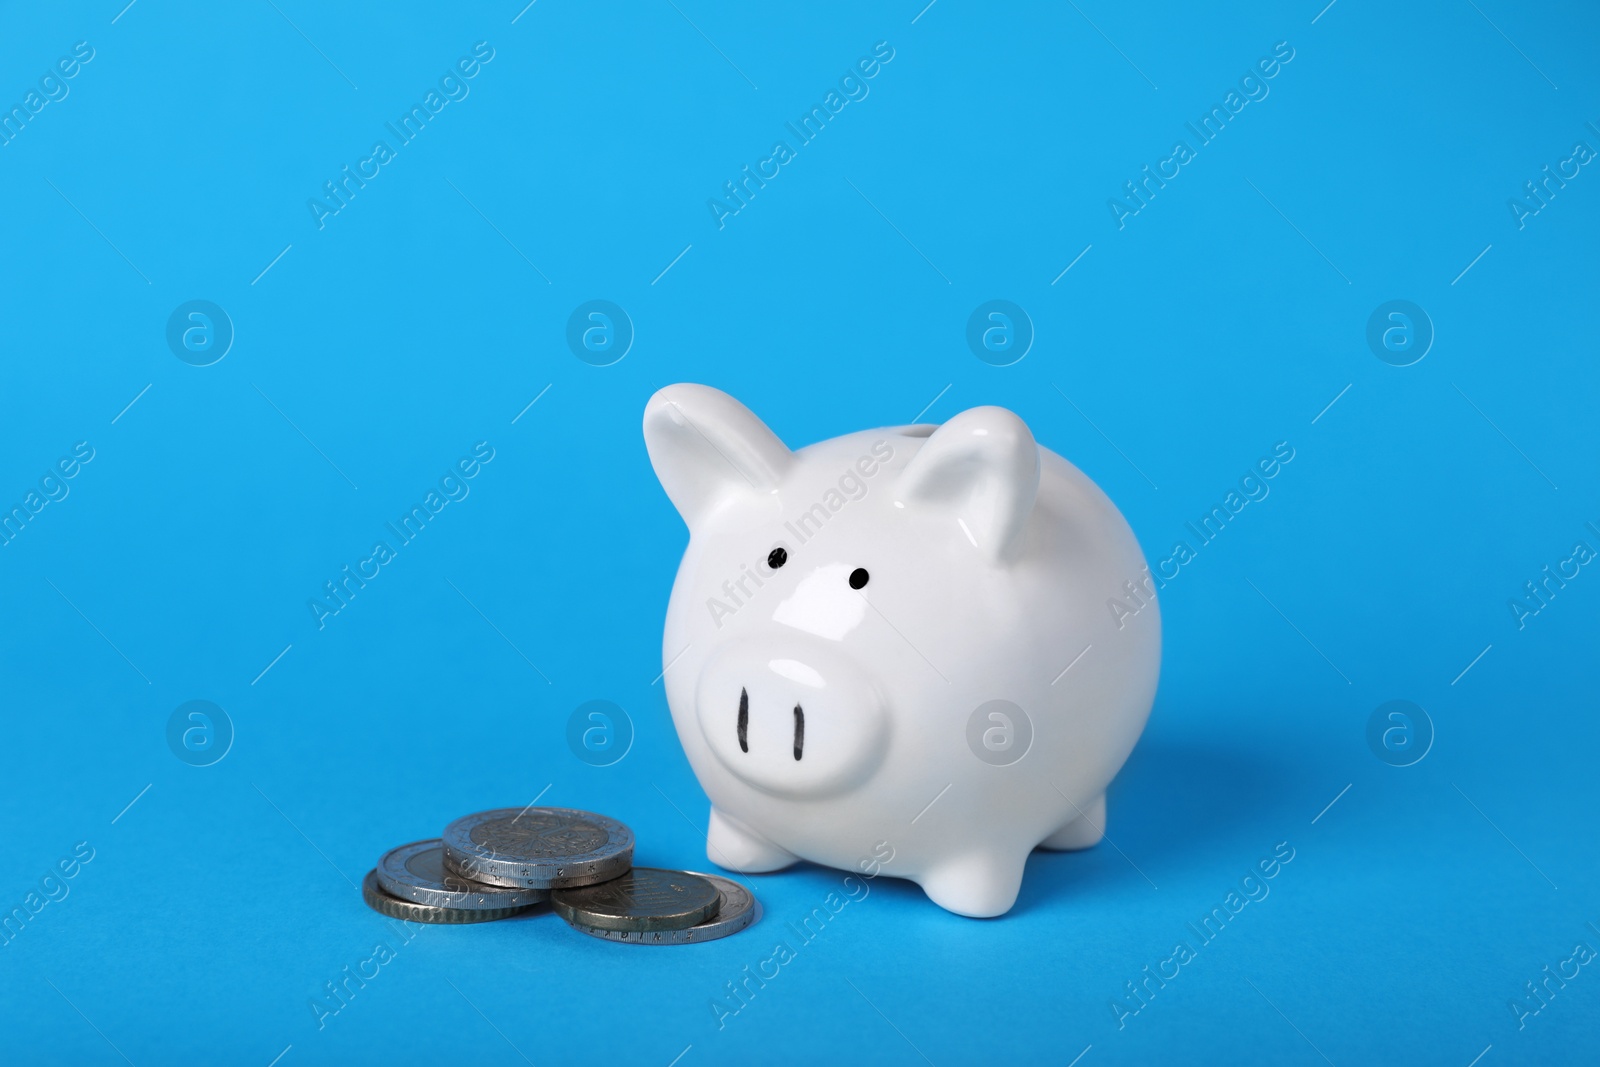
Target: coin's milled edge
x=374 y=895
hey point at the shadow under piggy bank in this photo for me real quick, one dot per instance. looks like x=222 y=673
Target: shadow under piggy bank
x=1179 y=803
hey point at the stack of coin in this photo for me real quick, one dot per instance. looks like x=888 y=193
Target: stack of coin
x=650 y=906
x=505 y=862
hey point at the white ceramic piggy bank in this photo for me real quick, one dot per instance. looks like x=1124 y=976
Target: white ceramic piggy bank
x=920 y=650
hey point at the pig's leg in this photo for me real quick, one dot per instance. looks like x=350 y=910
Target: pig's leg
x=981 y=885
x=733 y=845
x=1083 y=830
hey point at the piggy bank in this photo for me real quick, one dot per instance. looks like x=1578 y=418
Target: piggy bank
x=920 y=651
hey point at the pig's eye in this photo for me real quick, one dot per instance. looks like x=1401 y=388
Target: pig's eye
x=858 y=577
x=777 y=558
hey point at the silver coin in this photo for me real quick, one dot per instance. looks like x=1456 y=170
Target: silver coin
x=417 y=872
x=646 y=898
x=538 y=848
x=739 y=909
x=397 y=908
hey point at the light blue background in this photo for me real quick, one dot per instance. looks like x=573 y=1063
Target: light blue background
x=376 y=351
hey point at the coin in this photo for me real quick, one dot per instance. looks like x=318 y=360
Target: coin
x=644 y=899
x=417 y=872
x=737 y=910
x=396 y=908
x=538 y=848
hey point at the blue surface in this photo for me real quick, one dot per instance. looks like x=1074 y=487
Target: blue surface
x=372 y=353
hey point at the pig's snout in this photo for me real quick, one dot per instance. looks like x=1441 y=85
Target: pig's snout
x=792 y=716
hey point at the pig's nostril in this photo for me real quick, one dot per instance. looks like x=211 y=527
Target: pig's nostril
x=744 y=721
x=799 y=730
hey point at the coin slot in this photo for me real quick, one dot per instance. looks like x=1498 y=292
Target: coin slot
x=744 y=721
x=799 y=730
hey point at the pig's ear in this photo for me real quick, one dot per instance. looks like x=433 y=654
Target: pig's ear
x=706 y=446
x=982 y=469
